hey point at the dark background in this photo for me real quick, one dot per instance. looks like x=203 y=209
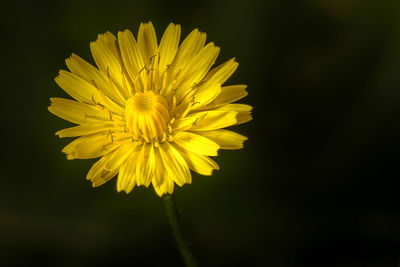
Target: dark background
x=316 y=184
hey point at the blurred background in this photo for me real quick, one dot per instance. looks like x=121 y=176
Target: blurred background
x=316 y=184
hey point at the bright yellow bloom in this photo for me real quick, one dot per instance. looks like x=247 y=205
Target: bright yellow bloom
x=152 y=111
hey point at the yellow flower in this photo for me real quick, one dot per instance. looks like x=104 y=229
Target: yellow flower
x=152 y=111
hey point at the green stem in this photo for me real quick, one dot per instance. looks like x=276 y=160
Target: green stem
x=173 y=217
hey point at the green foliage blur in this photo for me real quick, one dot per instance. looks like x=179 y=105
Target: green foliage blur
x=316 y=184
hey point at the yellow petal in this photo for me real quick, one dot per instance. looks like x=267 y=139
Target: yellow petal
x=76 y=112
x=198 y=163
x=85 y=129
x=206 y=120
x=159 y=170
x=243 y=110
x=90 y=146
x=183 y=108
x=167 y=187
x=157 y=187
x=192 y=44
x=168 y=46
x=126 y=177
x=107 y=57
x=162 y=183
x=221 y=73
x=228 y=95
x=120 y=155
x=131 y=55
x=147 y=41
x=77 y=87
x=206 y=95
x=108 y=166
x=98 y=175
x=145 y=165
x=225 y=138
x=83 y=69
x=197 y=69
x=92 y=75
x=174 y=164
x=196 y=143
x=112 y=104
x=218 y=75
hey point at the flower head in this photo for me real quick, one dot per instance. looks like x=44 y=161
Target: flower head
x=151 y=111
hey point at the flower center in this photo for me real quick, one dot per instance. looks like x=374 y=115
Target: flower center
x=146 y=115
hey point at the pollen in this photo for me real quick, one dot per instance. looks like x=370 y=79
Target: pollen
x=146 y=115
x=143 y=102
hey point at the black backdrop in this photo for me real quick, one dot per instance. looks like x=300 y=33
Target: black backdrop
x=316 y=184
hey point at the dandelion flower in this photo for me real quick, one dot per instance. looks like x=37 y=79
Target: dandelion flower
x=150 y=111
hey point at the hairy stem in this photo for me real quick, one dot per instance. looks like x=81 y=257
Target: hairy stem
x=173 y=217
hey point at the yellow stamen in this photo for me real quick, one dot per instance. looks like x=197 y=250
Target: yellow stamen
x=146 y=115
